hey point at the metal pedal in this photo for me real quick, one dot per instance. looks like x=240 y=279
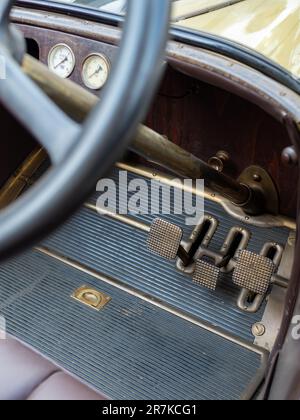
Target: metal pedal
x=206 y=274
x=164 y=239
x=253 y=272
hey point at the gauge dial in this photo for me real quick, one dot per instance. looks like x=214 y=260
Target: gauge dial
x=95 y=71
x=61 y=60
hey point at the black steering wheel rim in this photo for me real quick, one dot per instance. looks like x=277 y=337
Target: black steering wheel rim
x=104 y=135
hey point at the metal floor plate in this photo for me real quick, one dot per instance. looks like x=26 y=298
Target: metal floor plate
x=129 y=350
x=120 y=251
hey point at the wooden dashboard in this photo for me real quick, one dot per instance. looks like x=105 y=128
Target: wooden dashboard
x=47 y=39
x=203 y=109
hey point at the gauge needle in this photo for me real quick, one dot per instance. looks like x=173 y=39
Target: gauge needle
x=95 y=72
x=61 y=62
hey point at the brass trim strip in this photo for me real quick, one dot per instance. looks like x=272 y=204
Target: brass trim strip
x=118 y=217
x=260 y=221
x=266 y=221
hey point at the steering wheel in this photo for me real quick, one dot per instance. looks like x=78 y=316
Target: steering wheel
x=80 y=154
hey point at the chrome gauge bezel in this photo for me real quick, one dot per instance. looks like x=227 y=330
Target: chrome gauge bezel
x=107 y=63
x=72 y=55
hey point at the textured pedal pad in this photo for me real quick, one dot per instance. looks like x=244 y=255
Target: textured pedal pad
x=253 y=272
x=164 y=239
x=206 y=274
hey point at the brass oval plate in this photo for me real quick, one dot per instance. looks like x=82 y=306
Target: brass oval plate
x=91 y=297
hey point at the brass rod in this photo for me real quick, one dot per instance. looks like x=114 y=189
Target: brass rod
x=77 y=103
x=158 y=149
x=21 y=178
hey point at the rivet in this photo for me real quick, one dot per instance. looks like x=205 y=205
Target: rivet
x=258 y=330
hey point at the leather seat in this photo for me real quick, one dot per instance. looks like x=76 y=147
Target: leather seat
x=27 y=375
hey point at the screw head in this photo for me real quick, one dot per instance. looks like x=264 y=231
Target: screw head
x=257 y=178
x=289 y=156
x=258 y=330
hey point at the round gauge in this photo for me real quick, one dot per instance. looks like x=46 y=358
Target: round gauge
x=61 y=60
x=95 y=71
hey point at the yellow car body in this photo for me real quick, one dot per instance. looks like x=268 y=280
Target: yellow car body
x=270 y=27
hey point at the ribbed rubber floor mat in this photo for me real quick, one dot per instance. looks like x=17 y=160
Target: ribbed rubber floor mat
x=120 y=251
x=131 y=349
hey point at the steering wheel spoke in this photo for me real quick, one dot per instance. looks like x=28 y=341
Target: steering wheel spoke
x=81 y=155
x=53 y=129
